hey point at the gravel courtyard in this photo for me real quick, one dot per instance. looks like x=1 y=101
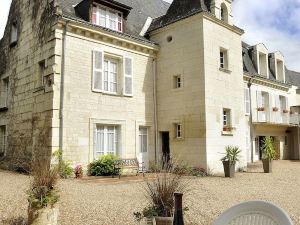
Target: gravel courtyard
x=99 y=202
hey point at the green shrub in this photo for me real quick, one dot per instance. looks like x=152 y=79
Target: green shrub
x=268 y=148
x=64 y=168
x=104 y=166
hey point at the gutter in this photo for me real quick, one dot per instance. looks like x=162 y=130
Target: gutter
x=155 y=111
x=62 y=91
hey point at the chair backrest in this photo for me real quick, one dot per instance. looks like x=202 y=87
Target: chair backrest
x=254 y=213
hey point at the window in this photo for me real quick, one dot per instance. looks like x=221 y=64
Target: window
x=14 y=33
x=178 y=128
x=3 y=141
x=247 y=101
x=40 y=79
x=106 y=140
x=226 y=118
x=263 y=64
x=223 y=59
x=224 y=13
x=107 y=73
x=108 y=18
x=143 y=139
x=177 y=81
x=110 y=81
x=4 y=92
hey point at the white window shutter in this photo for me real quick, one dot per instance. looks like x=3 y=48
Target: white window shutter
x=259 y=99
x=277 y=101
x=287 y=107
x=128 y=77
x=247 y=101
x=97 y=71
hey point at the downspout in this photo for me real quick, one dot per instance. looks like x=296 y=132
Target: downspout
x=62 y=90
x=250 y=120
x=155 y=110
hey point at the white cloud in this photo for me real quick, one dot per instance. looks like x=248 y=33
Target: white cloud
x=4 y=9
x=274 y=23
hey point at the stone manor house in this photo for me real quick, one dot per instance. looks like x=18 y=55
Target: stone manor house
x=140 y=78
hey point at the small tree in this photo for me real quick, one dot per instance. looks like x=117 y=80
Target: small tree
x=268 y=149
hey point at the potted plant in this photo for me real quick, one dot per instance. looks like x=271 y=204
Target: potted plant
x=285 y=111
x=43 y=196
x=275 y=109
x=160 y=193
x=260 y=109
x=269 y=154
x=230 y=159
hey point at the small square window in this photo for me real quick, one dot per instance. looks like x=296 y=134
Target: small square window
x=177 y=81
x=226 y=117
x=178 y=129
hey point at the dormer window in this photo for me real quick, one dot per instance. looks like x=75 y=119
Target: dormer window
x=106 y=17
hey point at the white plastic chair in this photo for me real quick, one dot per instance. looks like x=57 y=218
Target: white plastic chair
x=254 y=213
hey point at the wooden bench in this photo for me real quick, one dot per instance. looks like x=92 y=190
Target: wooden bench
x=128 y=164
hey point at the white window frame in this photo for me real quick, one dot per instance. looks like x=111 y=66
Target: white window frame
x=143 y=131
x=14 y=33
x=226 y=117
x=177 y=81
x=4 y=92
x=100 y=128
x=129 y=76
x=108 y=11
x=223 y=59
x=178 y=130
x=247 y=101
x=109 y=71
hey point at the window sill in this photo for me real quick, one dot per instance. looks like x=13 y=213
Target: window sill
x=179 y=139
x=13 y=44
x=112 y=94
x=227 y=133
x=225 y=70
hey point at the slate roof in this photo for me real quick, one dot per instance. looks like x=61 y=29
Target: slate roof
x=179 y=10
x=292 y=77
x=141 y=10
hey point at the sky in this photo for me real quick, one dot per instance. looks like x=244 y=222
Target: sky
x=272 y=22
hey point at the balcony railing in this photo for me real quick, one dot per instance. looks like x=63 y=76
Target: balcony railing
x=276 y=117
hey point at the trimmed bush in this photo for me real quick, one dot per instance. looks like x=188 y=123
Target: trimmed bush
x=104 y=166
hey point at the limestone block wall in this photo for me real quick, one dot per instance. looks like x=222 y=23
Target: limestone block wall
x=29 y=108
x=84 y=108
x=182 y=56
x=224 y=89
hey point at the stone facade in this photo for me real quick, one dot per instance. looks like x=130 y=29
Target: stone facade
x=187 y=98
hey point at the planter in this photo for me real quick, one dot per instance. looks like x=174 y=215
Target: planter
x=229 y=168
x=285 y=111
x=260 y=109
x=267 y=164
x=164 y=220
x=45 y=216
x=148 y=221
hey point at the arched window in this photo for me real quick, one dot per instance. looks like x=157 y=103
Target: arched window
x=224 y=12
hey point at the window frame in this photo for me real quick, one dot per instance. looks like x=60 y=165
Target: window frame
x=223 y=59
x=14 y=33
x=177 y=84
x=110 y=81
x=141 y=135
x=118 y=19
x=3 y=147
x=226 y=117
x=178 y=131
x=105 y=129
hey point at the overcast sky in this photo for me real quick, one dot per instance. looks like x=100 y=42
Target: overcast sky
x=272 y=22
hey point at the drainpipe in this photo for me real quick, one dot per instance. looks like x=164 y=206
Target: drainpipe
x=250 y=119
x=62 y=81
x=155 y=110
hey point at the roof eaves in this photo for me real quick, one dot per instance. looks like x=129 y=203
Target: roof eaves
x=143 y=40
x=266 y=79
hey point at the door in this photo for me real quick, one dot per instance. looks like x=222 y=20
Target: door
x=165 y=147
x=261 y=144
x=143 y=156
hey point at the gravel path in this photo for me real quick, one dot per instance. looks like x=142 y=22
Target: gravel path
x=98 y=202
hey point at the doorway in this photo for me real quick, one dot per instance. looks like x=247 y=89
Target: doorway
x=165 y=137
x=260 y=146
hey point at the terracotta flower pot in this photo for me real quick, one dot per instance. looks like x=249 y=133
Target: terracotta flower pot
x=164 y=220
x=229 y=168
x=267 y=164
